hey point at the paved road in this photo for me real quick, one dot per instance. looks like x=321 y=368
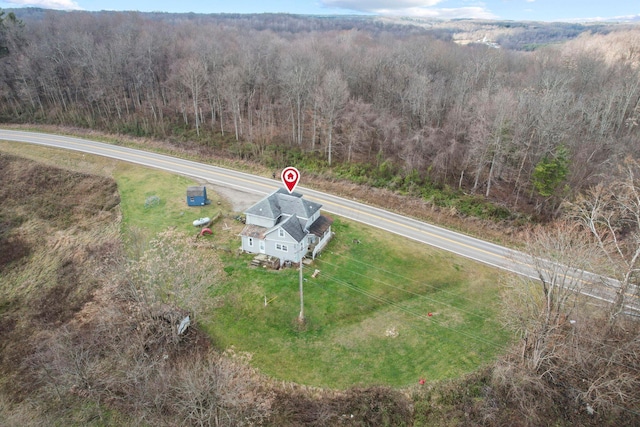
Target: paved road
x=457 y=243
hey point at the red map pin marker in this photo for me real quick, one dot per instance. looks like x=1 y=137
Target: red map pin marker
x=290 y=177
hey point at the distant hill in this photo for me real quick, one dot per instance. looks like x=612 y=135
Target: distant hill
x=516 y=35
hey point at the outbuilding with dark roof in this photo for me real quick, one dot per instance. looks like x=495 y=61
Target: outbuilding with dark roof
x=197 y=195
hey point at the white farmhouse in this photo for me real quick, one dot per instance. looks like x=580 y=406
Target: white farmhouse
x=285 y=226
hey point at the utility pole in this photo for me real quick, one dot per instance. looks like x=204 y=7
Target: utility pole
x=301 y=316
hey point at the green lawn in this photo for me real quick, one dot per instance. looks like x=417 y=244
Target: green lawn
x=152 y=201
x=367 y=313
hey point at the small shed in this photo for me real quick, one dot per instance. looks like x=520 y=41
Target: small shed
x=197 y=195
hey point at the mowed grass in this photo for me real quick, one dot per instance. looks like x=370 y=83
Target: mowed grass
x=153 y=200
x=367 y=313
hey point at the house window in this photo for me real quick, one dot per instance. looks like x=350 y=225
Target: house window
x=193 y=199
x=280 y=232
x=281 y=247
x=250 y=241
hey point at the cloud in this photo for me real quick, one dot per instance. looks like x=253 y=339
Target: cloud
x=411 y=8
x=48 y=4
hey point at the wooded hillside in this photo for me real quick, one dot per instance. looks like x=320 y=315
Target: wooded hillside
x=389 y=104
x=398 y=105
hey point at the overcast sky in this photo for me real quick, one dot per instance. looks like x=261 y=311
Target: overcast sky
x=543 y=10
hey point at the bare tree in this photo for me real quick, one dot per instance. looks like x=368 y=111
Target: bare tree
x=486 y=117
x=491 y=135
x=165 y=275
x=574 y=345
x=217 y=390
x=193 y=75
x=232 y=89
x=611 y=213
x=298 y=78
x=539 y=310
x=359 y=129
x=333 y=94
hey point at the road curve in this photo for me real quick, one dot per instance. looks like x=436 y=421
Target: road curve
x=457 y=243
x=451 y=241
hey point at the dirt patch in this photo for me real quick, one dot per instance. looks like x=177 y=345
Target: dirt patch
x=381 y=325
x=61 y=302
x=12 y=249
x=374 y=406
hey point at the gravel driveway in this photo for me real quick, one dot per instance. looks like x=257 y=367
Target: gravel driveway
x=240 y=200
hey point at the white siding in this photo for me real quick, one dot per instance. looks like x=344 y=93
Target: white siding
x=322 y=243
x=312 y=220
x=275 y=246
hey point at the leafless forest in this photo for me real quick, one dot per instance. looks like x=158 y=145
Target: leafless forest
x=390 y=104
x=546 y=124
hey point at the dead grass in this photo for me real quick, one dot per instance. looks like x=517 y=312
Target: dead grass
x=79 y=343
x=64 y=159
x=96 y=358
x=56 y=233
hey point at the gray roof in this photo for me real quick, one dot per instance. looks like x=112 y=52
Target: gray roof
x=281 y=202
x=196 y=191
x=292 y=226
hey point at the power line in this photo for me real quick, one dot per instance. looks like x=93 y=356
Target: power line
x=392 y=273
x=407 y=310
x=370 y=266
x=412 y=292
x=422 y=316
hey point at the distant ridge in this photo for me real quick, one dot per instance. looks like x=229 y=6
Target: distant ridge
x=515 y=35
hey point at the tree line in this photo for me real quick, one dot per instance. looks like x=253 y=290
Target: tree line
x=409 y=108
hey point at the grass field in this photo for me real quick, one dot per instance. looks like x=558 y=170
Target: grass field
x=153 y=201
x=367 y=313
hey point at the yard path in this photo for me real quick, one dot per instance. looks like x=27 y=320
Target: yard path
x=245 y=189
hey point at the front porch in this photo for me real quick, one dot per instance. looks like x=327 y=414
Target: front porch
x=321 y=234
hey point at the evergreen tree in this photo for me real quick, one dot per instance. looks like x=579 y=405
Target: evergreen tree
x=550 y=172
x=4 y=19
